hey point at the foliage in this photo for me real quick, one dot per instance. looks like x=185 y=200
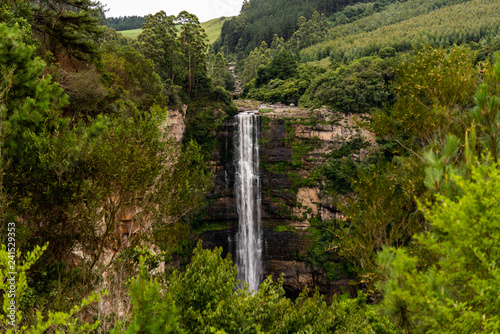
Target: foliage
x=259 y=57
x=177 y=45
x=88 y=96
x=320 y=252
x=358 y=87
x=125 y=22
x=284 y=91
x=339 y=171
x=357 y=11
x=202 y=128
x=381 y=212
x=18 y=12
x=12 y=317
x=488 y=51
x=159 y=42
x=151 y=311
x=131 y=76
x=219 y=72
x=282 y=66
x=208 y=301
x=308 y=32
x=70 y=183
x=260 y=20
x=193 y=41
x=26 y=100
x=433 y=85
x=486 y=113
x=446 y=295
x=31 y=110
x=70 y=27
x=201 y=291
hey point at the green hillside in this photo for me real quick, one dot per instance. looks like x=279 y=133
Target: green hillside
x=260 y=20
x=403 y=25
x=212 y=28
x=337 y=44
x=133 y=33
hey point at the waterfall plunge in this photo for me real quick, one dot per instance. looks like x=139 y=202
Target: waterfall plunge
x=249 y=241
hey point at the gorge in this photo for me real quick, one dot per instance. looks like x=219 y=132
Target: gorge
x=293 y=144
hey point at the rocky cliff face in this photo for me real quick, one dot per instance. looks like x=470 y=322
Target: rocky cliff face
x=294 y=142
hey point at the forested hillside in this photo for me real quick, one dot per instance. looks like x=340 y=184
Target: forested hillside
x=378 y=29
x=401 y=26
x=261 y=19
x=107 y=144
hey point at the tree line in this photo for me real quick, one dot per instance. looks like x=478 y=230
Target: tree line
x=125 y=22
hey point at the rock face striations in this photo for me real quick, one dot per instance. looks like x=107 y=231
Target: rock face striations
x=293 y=144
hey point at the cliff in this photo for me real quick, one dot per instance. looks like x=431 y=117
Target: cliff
x=293 y=144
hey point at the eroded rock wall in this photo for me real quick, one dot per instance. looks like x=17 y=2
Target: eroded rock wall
x=294 y=143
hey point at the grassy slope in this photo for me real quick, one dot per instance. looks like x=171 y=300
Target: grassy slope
x=212 y=28
x=404 y=24
x=131 y=33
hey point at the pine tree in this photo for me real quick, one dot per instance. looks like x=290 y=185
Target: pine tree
x=69 y=27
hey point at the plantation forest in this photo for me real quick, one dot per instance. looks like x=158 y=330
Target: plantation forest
x=378 y=128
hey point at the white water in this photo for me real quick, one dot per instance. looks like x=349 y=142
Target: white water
x=247 y=188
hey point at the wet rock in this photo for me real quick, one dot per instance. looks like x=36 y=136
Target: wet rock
x=283 y=206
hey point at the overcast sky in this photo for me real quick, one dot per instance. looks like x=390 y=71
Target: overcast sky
x=204 y=9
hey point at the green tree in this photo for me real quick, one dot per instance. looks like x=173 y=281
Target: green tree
x=151 y=311
x=30 y=113
x=11 y=316
x=282 y=66
x=70 y=27
x=359 y=87
x=203 y=292
x=380 y=213
x=217 y=69
x=486 y=113
x=69 y=185
x=309 y=32
x=260 y=56
x=452 y=285
x=131 y=76
x=159 y=43
x=209 y=302
x=433 y=86
x=193 y=40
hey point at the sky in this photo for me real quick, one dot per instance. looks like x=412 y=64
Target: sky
x=204 y=9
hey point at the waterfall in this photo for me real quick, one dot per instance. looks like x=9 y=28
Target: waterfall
x=247 y=188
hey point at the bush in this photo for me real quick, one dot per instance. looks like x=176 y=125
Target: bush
x=454 y=287
x=357 y=88
x=208 y=302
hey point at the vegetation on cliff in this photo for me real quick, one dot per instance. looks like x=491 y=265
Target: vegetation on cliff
x=85 y=142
